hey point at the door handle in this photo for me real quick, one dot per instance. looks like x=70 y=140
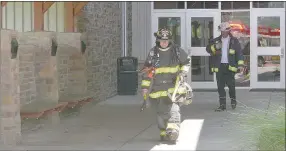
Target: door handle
x=282 y=53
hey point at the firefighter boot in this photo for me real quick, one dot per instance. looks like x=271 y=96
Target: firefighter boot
x=172 y=135
x=172 y=132
x=163 y=135
x=233 y=103
x=220 y=108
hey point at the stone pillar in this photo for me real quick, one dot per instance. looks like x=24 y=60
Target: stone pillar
x=38 y=61
x=54 y=85
x=10 y=90
x=83 y=40
x=27 y=53
x=71 y=64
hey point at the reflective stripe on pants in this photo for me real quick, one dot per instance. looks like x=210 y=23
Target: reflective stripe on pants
x=145 y=83
x=159 y=94
x=214 y=69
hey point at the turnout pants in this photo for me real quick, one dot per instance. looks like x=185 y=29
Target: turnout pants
x=225 y=77
x=168 y=113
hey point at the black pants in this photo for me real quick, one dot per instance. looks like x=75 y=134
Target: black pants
x=225 y=77
x=167 y=112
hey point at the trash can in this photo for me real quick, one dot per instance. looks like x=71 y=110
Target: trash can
x=127 y=76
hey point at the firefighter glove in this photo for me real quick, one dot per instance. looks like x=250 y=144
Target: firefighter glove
x=145 y=105
x=144 y=91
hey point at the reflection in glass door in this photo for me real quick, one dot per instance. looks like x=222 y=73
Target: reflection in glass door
x=202 y=32
x=201 y=27
x=268 y=44
x=174 y=22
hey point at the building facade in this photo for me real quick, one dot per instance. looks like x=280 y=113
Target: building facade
x=259 y=26
x=101 y=21
x=67 y=51
x=54 y=54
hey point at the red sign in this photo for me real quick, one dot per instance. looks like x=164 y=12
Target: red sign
x=242 y=28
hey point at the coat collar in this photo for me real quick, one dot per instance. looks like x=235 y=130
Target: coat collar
x=230 y=36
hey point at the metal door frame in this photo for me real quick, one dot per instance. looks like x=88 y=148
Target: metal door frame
x=256 y=51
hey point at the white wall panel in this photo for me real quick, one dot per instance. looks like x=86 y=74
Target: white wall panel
x=17 y=16
x=20 y=16
x=141 y=29
x=4 y=17
x=28 y=16
x=54 y=18
x=10 y=17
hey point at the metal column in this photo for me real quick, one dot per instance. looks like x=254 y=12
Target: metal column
x=124 y=41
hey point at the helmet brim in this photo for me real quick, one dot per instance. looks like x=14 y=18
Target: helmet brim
x=226 y=29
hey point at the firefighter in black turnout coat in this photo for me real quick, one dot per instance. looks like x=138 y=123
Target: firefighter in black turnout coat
x=226 y=60
x=165 y=62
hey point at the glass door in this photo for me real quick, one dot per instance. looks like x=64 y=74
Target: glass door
x=173 y=21
x=268 y=48
x=201 y=27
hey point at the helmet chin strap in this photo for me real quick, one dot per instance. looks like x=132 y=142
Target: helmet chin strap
x=164 y=49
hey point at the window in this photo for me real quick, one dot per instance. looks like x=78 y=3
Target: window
x=202 y=31
x=173 y=24
x=202 y=5
x=265 y=4
x=268 y=31
x=272 y=74
x=169 y=5
x=235 y=5
x=201 y=69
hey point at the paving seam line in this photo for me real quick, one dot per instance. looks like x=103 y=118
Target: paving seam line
x=134 y=137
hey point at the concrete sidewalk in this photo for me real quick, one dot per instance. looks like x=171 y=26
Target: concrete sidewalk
x=117 y=124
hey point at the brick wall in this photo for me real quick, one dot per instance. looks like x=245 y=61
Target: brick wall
x=129 y=27
x=103 y=29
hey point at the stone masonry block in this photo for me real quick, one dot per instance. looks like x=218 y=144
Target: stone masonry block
x=10 y=122
x=36 y=49
x=103 y=35
x=71 y=64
